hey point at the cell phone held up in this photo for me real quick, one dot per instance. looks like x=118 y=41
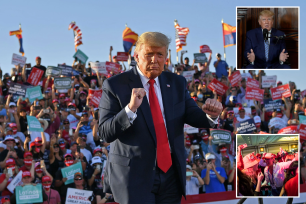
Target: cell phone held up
x=78 y=149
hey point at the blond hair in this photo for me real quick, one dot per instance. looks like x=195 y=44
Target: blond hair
x=266 y=13
x=155 y=39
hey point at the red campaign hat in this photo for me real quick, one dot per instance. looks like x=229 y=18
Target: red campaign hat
x=32 y=144
x=38 y=57
x=279 y=82
x=5 y=199
x=26 y=173
x=12 y=125
x=67 y=99
x=258 y=155
x=55 y=101
x=37 y=143
x=240 y=108
x=38 y=139
x=62 y=95
x=83 y=92
x=10 y=162
x=27 y=154
x=45 y=178
x=97 y=150
x=114 y=56
x=72 y=104
x=223 y=149
x=68 y=155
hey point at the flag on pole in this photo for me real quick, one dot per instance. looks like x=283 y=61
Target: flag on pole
x=229 y=35
x=180 y=36
x=129 y=39
x=77 y=36
x=18 y=34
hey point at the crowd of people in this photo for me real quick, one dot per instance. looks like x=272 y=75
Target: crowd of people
x=70 y=133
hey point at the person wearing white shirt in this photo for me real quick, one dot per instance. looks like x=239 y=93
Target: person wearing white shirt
x=193 y=181
x=82 y=143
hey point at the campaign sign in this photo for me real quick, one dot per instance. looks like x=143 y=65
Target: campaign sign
x=303 y=93
x=188 y=75
x=218 y=87
x=62 y=83
x=204 y=49
x=53 y=71
x=34 y=124
x=254 y=93
x=288 y=130
x=189 y=129
x=68 y=172
x=247 y=126
x=252 y=83
x=200 y=57
x=35 y=76
x=268 y=81
x=75 y=73
x=220 y=136
x=95 y=100
x=17 y=89
x=18 y=60
x=235 y=78
x=34 y=93
x=271 y=105
x=302 y=131
x=122 y=56
x=302 y=119
x=77 y=196
x=99 y=66
x=278 y=123
x=29 y=194
x=112 y=67
x=15 y=182
x=81 y=56
x=280 y=91
x=91 y=92
x=65 y=69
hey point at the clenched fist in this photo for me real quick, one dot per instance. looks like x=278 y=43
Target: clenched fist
x=212 y=107
x=136 y=98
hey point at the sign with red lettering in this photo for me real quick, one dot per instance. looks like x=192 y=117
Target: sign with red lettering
x=122 y=56
x=254 y=93
x=91 y=92
x=280 y=91
x=35 y=76
x=235 y=78
x=302 y=131
x=288 y=130
x=252 y=83
x=204 y=49
x=95 y=100
x=112 y=67
x=77 y=196
x=218 y=87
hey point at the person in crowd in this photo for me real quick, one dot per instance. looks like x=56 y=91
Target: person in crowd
x=55 y=157
x=37 y=147
x=290 y=184
x=222 y=152
x=193 y=181
x=10 y=152
x=53 y=195
x=221 y=67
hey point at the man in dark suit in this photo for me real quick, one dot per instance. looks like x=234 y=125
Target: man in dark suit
x=266 y=54
x=142 y=114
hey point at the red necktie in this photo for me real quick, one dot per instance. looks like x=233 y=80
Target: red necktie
x=164 y=161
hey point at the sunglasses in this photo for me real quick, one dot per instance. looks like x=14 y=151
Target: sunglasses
x=76 y=179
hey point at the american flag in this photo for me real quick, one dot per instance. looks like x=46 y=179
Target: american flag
x=78 y=35
x=180 y=36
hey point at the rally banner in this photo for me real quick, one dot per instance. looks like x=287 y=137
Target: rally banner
x=75 y=73
x=302 y=119
x=53 y=71
x=34 y=93
x=18 y=60
x=189 y=129
x=302 y=131
x=15 y=182
x=62 y=83
x=99 y=67
x=288 y=130
x=77 y=196
x=254 y=93
x=280 y=91
x=91 y=92
x=35 y=76
x=252 y=83
x=278 y=123
x=247 y=126
x=68 y=172
x=29 y=194
x=200 y=57
x=95 y=100
x=220 y=136
x=17 y=89
x=204 y=49
x=188 y=75
x=248 y=111
x=112 y=67
x=235 y=78
x=81 y=56
x=218 y=87
x=65 y=69
x=122 y=56
x=271 y=105
x=34 y=124
x=268 y=81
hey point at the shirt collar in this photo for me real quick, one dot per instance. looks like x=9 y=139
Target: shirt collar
x=145 y=79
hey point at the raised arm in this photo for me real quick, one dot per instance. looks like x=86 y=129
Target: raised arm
x=43 y=138
x=110 y=59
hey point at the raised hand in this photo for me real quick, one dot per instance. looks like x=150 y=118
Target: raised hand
x=212 y=108
x=283 y=56
x=251 y=56
x=136 y=98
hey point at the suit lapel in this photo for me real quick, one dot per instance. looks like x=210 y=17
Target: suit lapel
x=135 y=82
x=272 y=45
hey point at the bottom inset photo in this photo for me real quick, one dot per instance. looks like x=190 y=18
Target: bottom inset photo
x=267 y=166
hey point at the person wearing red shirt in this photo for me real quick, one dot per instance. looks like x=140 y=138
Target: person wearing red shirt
x=291 y=182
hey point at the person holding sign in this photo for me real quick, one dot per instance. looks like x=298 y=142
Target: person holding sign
x=39 y=66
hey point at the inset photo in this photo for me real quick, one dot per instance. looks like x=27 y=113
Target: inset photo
x=268 y=38
x=268 y=166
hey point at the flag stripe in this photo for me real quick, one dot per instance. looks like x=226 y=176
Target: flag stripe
x=180 y=37
x=78 y=36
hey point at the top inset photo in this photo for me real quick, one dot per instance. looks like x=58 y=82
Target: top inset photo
x=268 y=38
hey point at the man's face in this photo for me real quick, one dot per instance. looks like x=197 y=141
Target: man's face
x=151 y=60
x=73 y=148
x=10 y=143
x=115 y=59
x=266 y=22
x=242 y=113
x=243 y=84
x=234 y=91
x=186 y=61
x=269 y=161
x=38 y=61
x=26 y=180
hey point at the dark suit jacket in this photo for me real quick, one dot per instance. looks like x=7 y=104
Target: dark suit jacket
x=130 y=168
x=255 y=41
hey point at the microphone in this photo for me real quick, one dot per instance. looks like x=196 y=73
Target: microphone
x=280 y=37
x=265 y=34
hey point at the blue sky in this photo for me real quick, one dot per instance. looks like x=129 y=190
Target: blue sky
x=46 y=34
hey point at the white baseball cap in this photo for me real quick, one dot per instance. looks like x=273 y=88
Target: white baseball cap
x=188 y=167
x=96 y=160
x=257 y=119
x=209 y=156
